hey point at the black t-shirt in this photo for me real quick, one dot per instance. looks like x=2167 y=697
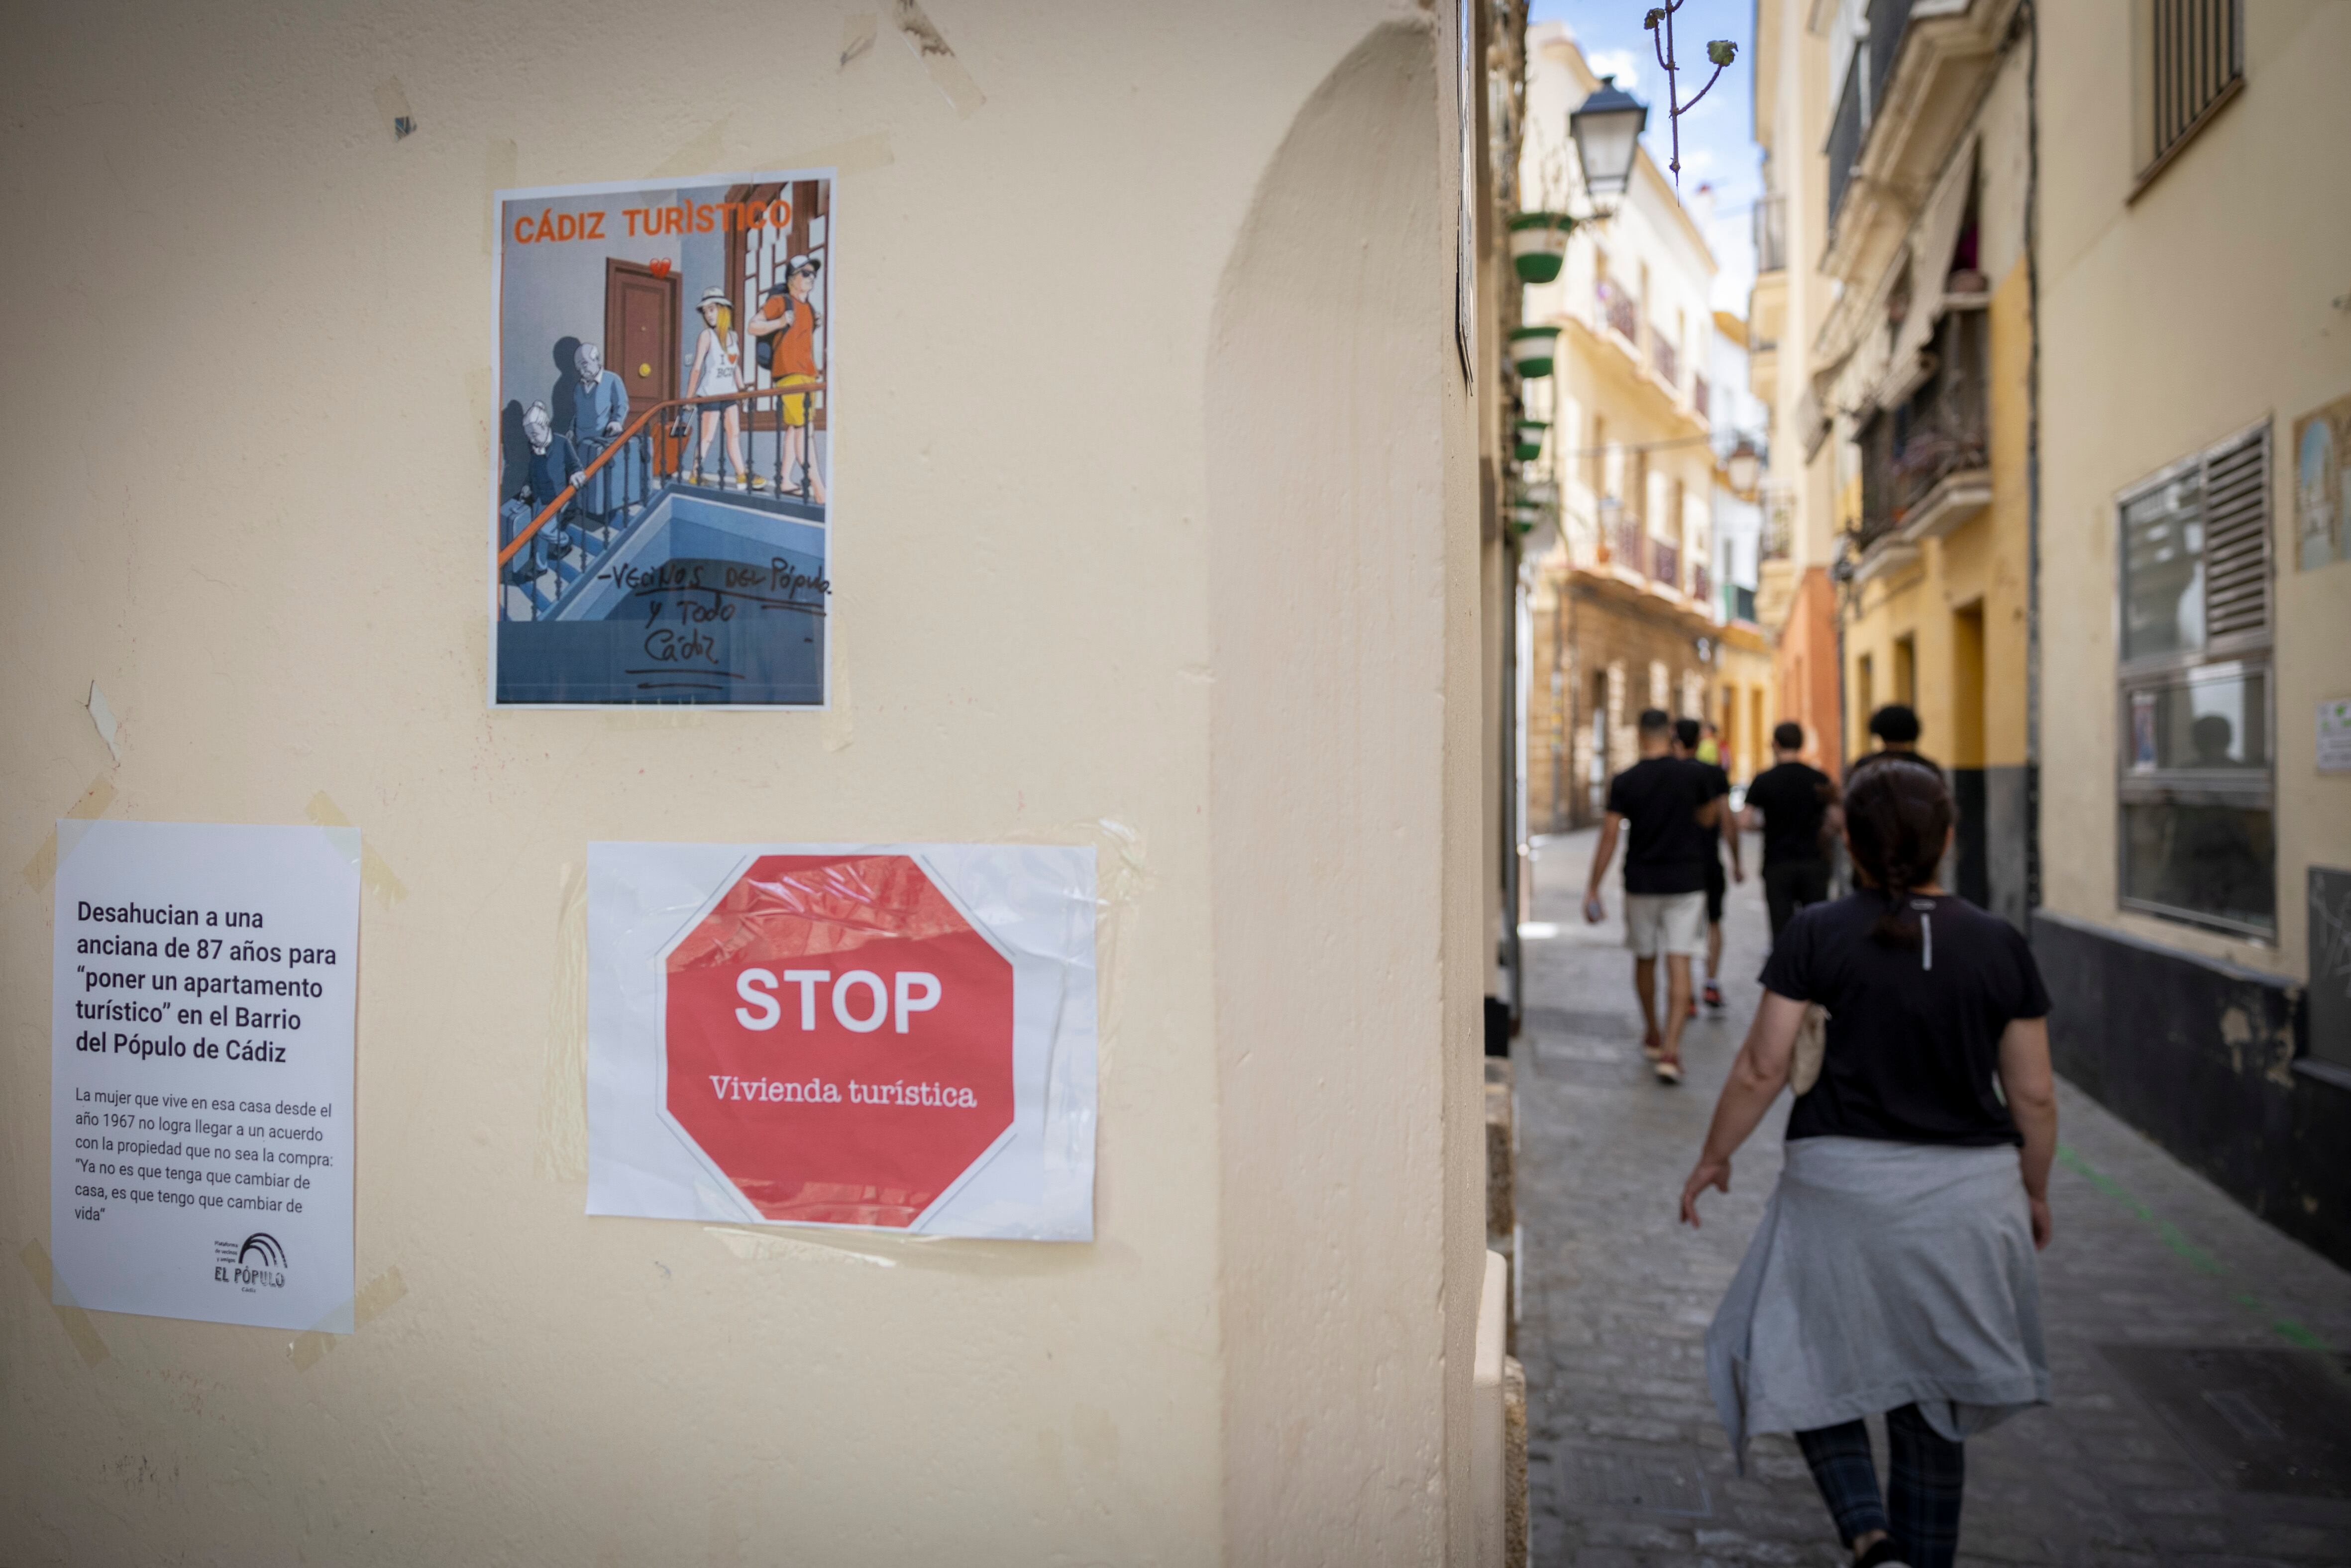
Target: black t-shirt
x=1718 y=779
x=1665 y=847
x=1886 y=753
x=1794 y=801
x=1914 y=1034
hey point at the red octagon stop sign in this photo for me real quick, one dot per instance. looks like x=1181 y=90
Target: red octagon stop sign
x=838 y=1039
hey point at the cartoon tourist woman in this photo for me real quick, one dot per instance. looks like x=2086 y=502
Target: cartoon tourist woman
x=715 y=373
x=787 y=320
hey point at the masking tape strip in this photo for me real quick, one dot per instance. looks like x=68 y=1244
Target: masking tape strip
x=562 y=1151
x=856 y=37
x=839 y=726
x=43 y=867
x=374 y=875
x=698 y=156
x=753 y=1246
x=854 y=156
x=392 y=104
x=78 y=1328
x=1121 y=877
x=109 y=728
x=946 y=72
x=499 y=163
x=374 y=1299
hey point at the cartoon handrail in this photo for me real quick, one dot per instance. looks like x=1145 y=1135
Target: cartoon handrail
x=636 y=431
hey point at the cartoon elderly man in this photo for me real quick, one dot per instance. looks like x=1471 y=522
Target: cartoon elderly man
x=552 y=464
x=600 y=410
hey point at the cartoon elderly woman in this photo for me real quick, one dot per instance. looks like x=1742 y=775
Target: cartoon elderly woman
x=717 y=372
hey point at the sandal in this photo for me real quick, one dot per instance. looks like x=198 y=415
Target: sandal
x=1670 y=1073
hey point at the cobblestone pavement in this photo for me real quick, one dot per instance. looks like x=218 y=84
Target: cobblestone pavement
x=2147 y=1457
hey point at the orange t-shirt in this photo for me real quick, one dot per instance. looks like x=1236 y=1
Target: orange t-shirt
x=795 y=351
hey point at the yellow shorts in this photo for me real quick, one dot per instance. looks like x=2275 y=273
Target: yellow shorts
x=795 y=407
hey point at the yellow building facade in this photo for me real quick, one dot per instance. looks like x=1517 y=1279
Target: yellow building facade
x=1926 y=358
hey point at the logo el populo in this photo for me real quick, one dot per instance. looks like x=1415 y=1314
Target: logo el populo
x=259 y=1259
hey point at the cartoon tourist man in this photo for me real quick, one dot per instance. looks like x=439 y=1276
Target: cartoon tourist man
x=552 y=464
x=599 y=410
x=787 y=320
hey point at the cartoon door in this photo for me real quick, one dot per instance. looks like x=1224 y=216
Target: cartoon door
x=640 y=316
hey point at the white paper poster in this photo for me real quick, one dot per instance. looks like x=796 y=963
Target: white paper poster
x=203 y=1004
x=896 y=1036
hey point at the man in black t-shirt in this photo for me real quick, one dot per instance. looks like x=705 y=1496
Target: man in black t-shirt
x=1796 y=805
x=1896 y=728
x=1668 y=810
x=1687 y=734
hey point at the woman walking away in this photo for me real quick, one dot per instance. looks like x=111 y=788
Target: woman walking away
x=1893 y=1269
x=715 y=373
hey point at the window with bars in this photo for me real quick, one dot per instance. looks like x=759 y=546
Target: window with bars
x=2197 y=770
x=2191 y=60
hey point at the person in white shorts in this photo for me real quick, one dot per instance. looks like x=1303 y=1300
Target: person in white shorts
x=1667 y=811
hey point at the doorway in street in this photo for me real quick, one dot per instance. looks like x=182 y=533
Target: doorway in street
x=1972 y=849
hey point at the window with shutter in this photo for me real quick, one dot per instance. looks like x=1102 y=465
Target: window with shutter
x=2196 y=785
x=2237 y=539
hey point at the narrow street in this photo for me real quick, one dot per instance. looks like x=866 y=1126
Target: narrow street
x=2199 y=1412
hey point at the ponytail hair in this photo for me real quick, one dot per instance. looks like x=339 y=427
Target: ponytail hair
x=1897 y=815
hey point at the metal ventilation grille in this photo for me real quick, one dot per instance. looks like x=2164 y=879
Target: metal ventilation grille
x=2237 y=539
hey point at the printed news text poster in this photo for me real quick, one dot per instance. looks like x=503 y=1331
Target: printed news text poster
x=660 y=503
x=897 y=1037
x=203 y=1009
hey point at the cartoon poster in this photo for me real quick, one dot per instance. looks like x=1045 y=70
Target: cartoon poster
x=2322 y=470
x=662 y=475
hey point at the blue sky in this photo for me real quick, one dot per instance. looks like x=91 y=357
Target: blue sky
x=1718 y=144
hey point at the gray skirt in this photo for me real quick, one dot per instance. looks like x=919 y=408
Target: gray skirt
x=1883 y=1275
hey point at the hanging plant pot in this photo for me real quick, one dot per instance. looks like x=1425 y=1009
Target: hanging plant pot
x=1528 y=445
x=1528 y=508
x=1538 y=245
x=1532 y=349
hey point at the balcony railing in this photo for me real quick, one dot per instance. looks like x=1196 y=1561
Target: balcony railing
x=1700 y=581
x=1907 y=450
x=1630 y=540
x=1771 y=234
x=1666 y=558
x=1668 y=360
x=1617 y=309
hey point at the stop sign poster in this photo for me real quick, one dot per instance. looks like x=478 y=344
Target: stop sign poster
x=894 y=1036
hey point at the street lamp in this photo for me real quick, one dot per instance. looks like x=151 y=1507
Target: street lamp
x=1743 y=466
x=1607 y=132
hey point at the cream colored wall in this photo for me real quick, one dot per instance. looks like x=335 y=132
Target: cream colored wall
x=249 y=424
x=2210 y=303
